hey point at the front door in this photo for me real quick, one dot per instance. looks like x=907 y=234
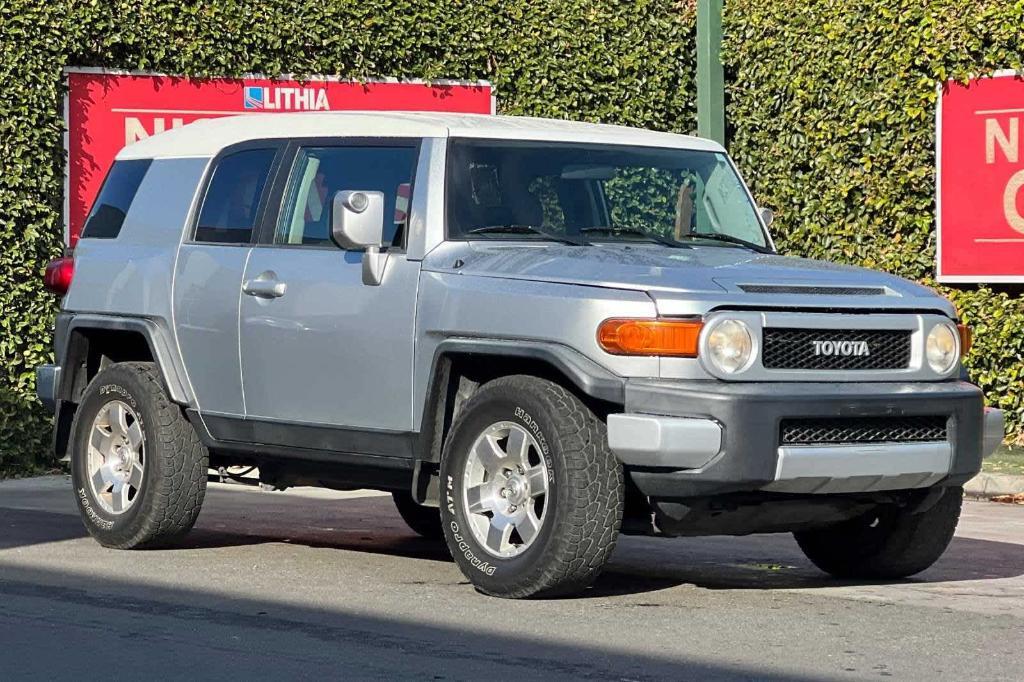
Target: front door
x=325 y=357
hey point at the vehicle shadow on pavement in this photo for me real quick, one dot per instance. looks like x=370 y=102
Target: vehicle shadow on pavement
x=413 y=546
x=775 y=562
x=639 y=565
x=25 y=527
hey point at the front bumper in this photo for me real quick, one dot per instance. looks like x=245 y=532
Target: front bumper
x=682 y=439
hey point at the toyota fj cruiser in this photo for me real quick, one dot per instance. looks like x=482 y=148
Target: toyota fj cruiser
x=535 y=334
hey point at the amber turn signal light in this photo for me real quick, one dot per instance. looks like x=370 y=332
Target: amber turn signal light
x=966 y=338
x=675 y=338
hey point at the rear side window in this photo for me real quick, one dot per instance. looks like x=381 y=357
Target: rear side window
x=115 y=198
x=233 y=197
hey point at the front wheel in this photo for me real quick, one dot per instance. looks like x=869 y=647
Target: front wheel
x=532 y=497
x=887 y=543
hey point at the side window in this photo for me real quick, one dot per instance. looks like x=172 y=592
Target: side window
x=320 y=172
x=115 y=198
x=233 y=197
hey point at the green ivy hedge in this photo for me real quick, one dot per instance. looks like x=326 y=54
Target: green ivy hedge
x=830 y=108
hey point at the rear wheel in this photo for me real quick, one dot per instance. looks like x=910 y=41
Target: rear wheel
x=138 y=467
x=886 y=543
x=532 y=497
x=426 y=521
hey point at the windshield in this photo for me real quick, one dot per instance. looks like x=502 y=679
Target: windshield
x=579 y=193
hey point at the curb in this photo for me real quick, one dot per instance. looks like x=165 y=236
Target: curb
x=992 y=485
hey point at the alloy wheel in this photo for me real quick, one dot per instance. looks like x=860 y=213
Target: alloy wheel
x=505 y=491
x=115 y=463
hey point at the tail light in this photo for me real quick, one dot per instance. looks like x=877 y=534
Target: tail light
x=58 y=275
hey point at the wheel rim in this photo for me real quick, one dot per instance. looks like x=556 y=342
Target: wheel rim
x=505 y=489
x=115 y=462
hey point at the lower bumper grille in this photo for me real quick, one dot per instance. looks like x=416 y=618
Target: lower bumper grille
x=846 y=430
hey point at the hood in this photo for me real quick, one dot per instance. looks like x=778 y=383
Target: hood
x=655 y=268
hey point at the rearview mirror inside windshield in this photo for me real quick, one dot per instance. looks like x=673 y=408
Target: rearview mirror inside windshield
x=588 y=173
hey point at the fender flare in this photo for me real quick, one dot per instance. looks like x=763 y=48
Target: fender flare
x=586 y=375
x=157 y=335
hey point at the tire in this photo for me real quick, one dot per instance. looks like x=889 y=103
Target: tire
x=160 y=456
x=425 y=521
x=563 y=536
x=889 y=543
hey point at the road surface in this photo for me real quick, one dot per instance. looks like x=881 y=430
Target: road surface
x=313 y=584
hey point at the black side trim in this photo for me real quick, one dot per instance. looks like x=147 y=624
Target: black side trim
x=588 y=376
x=387 y=449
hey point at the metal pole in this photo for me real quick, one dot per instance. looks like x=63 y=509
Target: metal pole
x=710 y=81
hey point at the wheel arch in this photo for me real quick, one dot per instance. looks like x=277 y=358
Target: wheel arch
x=101 y=339
x=87 y=343
x=460 y=366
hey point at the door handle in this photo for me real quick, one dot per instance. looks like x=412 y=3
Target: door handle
x=265 y=286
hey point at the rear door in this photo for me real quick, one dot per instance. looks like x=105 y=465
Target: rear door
x=208 y=274
x=326 y=359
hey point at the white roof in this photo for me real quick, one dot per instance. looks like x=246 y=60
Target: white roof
x=206 y=138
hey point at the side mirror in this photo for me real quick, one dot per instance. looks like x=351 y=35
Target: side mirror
x=357 y=223
x=357 y=219
x=767 y=216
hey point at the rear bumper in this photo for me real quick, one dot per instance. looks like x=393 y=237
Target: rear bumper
x=47 y=381
x=682 y=439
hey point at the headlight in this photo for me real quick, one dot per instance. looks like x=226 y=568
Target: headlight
x=942 y=347
x=730 y=345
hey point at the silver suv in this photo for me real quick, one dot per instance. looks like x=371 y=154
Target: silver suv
x=536 y=334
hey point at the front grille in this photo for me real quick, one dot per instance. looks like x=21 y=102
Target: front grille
x=827 y=349
x=839 y=430
x=811 y=290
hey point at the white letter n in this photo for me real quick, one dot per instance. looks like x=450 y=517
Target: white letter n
x=1009 y=143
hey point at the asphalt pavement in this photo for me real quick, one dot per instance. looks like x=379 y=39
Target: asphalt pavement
x=311 y=584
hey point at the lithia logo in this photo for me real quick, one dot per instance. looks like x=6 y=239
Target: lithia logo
x=285 y=98
x=841 y=348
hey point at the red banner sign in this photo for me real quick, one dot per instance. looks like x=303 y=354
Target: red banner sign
x=980 y=180
x=105 y=111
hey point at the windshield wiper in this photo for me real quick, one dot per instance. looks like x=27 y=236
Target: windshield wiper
x=526 y=229
x=613 y=230
x=719 y=237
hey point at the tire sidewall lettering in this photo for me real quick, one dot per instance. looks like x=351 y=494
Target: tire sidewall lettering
x=119 y=392
x=463 y=544
x=84 y=499
x=482 y=565
x=534 y=428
